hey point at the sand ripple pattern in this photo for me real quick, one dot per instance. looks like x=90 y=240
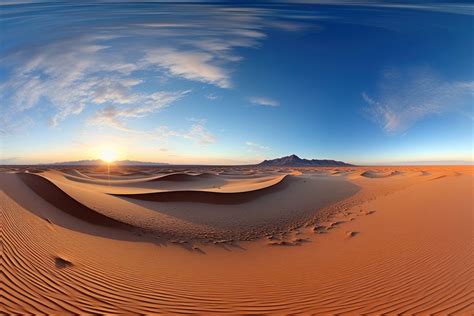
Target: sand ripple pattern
x=47 y=268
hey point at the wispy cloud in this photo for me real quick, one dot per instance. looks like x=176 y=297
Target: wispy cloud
x=255 y=146
x=264 y=101
x=68 y=76
x=435 y=6
x=199 y=134
x=211 y=96
x=108 y=71
x=11 y=126
x=452 y=8
x=403 y=98
x=191 y=65
x=114 y=116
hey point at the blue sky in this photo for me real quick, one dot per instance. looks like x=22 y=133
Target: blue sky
x=220 y=83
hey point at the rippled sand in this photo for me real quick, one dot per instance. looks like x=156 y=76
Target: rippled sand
x=237 y=239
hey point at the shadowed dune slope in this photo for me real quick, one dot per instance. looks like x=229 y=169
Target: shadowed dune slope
x=58 y=198
x=209 y=197
x=380 y=174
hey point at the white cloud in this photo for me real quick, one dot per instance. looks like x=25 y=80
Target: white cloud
x=190 y=65
x=405 y=98
x=255 y=146
x=115 y=91
x=264 y=101
x=114 y=116
x=211 y=96
x=69 y=76
x=199 y=134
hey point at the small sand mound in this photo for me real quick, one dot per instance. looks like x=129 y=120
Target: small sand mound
x=62 y=263
x=350 y=234
x=334 y=224
x=319 y=229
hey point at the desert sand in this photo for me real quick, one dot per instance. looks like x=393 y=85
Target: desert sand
x=349 y=240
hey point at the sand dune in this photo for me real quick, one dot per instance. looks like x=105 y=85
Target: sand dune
x=380 y=174
x=59 y=199
x=323 y=240
x=209 y=196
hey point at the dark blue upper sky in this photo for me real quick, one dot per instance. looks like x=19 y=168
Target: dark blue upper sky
x=229 y=83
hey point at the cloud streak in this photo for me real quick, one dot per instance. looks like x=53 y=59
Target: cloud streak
x=406 y=98
x=451 y=8
x=255 y=146
x=264 y=101
x=191 y=65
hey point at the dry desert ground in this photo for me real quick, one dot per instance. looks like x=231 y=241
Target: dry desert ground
x=349 y=240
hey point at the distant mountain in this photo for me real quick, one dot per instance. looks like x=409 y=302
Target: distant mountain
x=295 y=161
x=98 y=162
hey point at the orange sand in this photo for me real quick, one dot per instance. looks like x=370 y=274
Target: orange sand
x=240 y=240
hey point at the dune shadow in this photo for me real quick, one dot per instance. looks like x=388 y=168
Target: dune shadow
x=48 y=202
x=225 y=198
x=54 y=206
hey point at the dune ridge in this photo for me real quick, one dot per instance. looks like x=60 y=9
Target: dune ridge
x=58 y=198
x=208 y=196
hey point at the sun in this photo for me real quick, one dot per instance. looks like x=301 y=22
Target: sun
x=108 y=155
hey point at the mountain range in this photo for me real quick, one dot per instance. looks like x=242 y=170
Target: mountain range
x=295 y=161
x=288 y=161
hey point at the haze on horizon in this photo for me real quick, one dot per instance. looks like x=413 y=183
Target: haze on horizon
x=222 y=83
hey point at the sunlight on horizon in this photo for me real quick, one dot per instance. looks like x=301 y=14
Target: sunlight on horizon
x=108 y=155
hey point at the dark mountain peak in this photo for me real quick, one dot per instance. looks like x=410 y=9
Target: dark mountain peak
x=295 y=161
x=295 y=157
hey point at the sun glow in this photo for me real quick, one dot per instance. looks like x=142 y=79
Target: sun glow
x=108 y=155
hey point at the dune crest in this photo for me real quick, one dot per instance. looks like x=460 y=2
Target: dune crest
x=210 y=197
x=58 y=198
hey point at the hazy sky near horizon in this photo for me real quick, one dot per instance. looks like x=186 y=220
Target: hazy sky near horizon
x=223 y=83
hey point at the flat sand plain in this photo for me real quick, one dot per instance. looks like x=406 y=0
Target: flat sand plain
x=352 y=240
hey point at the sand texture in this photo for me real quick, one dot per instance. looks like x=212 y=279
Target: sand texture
x=348 y=240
